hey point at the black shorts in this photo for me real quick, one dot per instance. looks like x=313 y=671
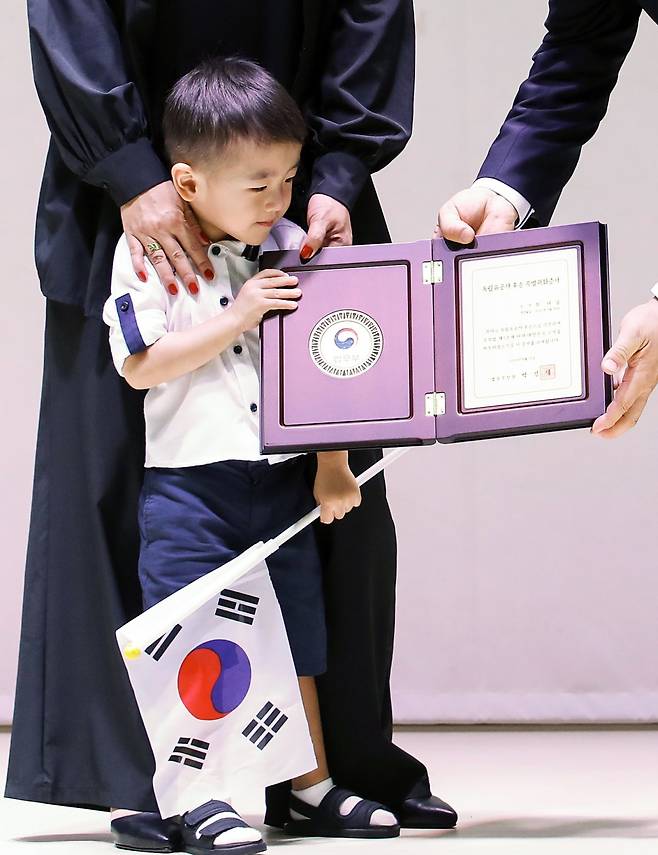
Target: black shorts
x=195 y=519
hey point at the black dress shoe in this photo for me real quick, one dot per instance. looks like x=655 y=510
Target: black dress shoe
x=426 y=812
x=146 y=832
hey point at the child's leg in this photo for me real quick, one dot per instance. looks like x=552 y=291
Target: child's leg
x=317 y=807
x=312 y=710
x=180 y=509
x=314 y=786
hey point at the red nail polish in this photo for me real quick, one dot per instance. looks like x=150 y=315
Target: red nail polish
x=193 y=288
x=172 y=288
x=306 y=252
x=142 y=276
x=209 y=275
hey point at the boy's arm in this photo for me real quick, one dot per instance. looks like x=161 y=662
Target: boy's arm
x=335 y=489
x=180 y=352
x=147 y=353
x=135 y=312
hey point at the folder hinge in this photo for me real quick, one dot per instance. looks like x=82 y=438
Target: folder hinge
x=435 y=404
x=432 y=272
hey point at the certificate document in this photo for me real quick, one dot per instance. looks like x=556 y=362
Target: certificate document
x=521 y=328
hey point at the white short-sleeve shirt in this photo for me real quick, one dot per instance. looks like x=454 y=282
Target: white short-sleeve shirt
x=210 y=414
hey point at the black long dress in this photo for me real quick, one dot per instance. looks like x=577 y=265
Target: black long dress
x=102 y=68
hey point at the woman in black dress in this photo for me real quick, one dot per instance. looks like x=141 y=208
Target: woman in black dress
x=102 y=69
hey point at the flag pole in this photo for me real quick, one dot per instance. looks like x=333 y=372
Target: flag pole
x=138 y=633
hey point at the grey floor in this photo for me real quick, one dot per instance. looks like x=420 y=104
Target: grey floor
x=564 y=791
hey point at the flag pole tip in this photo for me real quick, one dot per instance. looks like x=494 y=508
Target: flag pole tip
x=131 y=652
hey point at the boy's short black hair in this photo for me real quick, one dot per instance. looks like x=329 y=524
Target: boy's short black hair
x=225 y=99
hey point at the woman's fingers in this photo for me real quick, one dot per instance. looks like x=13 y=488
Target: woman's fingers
x=195 y=244
x=194 y=226
x=137 y=256
x=158 y=257
x=181 y=264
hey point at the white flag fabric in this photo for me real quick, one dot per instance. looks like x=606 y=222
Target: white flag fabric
x=219 y=695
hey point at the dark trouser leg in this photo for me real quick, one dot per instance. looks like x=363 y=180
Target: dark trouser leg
x=359 y=565
x=77 y=736
x=360 y=555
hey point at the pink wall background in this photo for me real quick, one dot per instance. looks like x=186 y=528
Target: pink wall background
x=527 y=580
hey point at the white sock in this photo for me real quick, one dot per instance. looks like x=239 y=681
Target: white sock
x=314 y=795
x=233 y=835
x=117 y=813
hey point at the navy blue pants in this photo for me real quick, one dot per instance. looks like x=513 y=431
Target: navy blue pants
x=197 y=518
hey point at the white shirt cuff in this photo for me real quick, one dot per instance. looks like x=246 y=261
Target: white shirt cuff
x=523 y=208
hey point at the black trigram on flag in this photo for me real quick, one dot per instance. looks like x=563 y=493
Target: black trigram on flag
x=236 y=606
x=190 y=752
x=265 y=726
x=160 y=645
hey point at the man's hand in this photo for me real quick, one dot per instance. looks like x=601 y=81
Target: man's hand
x=329 y=224
x=475 y=211
x=636 y=350
x=159 y=216
x=336 y=489
x=267 y=291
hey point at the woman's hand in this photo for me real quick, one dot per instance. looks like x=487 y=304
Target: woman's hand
x=335 y=489
x=160 y=217
x=265 y=292
x=329 y=224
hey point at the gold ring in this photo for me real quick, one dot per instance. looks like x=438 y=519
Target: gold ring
x=152 y=247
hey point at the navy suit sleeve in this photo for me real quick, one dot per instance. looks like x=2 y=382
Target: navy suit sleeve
x=92 y=107
x=362 y=115
x=564 y=99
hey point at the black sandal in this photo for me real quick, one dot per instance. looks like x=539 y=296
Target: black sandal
x=202 y=843
x=326 y=820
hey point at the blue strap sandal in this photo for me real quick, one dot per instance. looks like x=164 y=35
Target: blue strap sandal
x=198 y=840
x=326 y=820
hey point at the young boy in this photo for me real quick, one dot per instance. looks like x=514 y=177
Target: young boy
x=234 y=138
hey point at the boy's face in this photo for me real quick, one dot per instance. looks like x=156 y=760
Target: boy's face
x=244 y=192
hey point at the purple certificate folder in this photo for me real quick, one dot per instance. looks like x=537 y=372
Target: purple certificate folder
x=406 y=344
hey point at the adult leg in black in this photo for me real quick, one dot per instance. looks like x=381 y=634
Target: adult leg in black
x=358 y=555
x=359 y=558
x=77 y=736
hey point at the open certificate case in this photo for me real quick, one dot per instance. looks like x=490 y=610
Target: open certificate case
x=415 y=343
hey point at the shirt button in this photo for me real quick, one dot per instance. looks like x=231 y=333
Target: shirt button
x=216 y=250
x=124 y=306
x=237 y=349
x=223 y=301
x=253 y=408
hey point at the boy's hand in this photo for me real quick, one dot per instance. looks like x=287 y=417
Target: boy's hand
x=335 y=489
x=265 y=292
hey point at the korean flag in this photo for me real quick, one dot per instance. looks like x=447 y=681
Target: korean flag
x=218 y=691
